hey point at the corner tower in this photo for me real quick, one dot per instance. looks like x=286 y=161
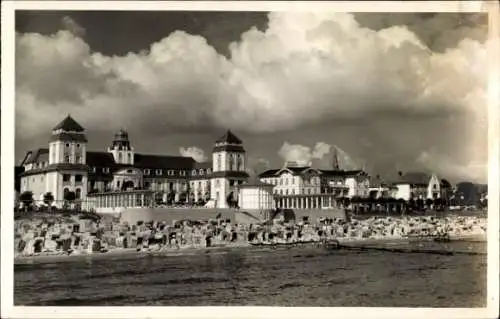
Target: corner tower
x=67 y=170
x=122 y=152
x=229 y=168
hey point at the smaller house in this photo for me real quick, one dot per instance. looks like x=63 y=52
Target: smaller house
x=379 y=188
x=256 y=195
x=419 y=185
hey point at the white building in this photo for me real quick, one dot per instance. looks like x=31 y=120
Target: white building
x=418 y=185
x=256 y=195
x=120 y=177
x=304 y=187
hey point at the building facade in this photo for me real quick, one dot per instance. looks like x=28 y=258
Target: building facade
x=120 y=177
x=304 y=187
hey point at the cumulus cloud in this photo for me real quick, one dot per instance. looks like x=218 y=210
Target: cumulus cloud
x=72 y=26
x=319 y=156
x=304 y=68
x=195 y=152
x=255 y=166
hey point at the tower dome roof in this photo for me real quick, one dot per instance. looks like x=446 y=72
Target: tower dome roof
x=229 y=138
x=121 y=135
x=69 y=125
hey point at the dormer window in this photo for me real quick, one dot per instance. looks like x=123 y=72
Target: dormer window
x=209 y=170
x=201 y=172
x=93 y=169
x=67 y=145
x=158 y=172
x=183 y=173
x=193 y=172
x=170 y=173
x=105 y=169
x=147 y=172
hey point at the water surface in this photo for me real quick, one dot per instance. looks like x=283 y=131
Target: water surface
x=260 y=277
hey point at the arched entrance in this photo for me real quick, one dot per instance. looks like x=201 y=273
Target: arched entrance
x=128 y=185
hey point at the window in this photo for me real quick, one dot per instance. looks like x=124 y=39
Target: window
x=119 y=157
x=158 y=172
x=286 y=181
x=219 y=162
x=281 y=181
x=94 y=169
x=66 y=177
x=309 y=191
x=193 y=172
x=201 y=171
x=217 y=183
x=240 y=163
x=78 y=145
x=183 y=173
x=170 y=172
x=286 y=191
x=66 y=158
x=147 y=172
x=105 y=169
x=78 y=159
x=67 y=145
x=78 y=178
x=281 y=192
x=199 y=184
x=209 y=170
x=293 y=191
x=435 y=186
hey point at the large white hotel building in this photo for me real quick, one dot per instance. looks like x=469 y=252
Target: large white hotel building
x=120 y=177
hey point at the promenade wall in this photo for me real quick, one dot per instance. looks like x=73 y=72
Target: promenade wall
x=132 y=215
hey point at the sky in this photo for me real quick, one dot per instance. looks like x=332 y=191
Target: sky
x=391 y=92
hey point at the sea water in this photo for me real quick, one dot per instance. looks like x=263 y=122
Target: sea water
x=300 y=276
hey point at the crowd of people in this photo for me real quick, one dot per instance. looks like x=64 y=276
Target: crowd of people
x=81 y=235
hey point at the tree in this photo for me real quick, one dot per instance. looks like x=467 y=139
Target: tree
x=411 y=204
x=48 y=199
x=26 y=198
x=429 y=202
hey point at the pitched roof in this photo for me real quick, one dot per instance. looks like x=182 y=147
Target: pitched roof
x=38 y=155
x=204 y=165
x=100 y=159
x=268 y=173
x=254 y=181
x=415 y=178
x=163 y=161
x=229 y=138
x=341 y=173
x=377 y=181
x=69 y=124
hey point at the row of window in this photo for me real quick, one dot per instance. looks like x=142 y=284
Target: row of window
x=310 y=191
x=207 y=184
x=67 y=178
x=200 y=172
x=233 y=165
x=292 y=181
x=157 y=172
x=77 y=145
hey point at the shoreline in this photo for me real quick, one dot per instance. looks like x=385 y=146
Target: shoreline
x=120 y=252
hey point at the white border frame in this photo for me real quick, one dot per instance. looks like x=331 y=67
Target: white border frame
x=7 y=162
